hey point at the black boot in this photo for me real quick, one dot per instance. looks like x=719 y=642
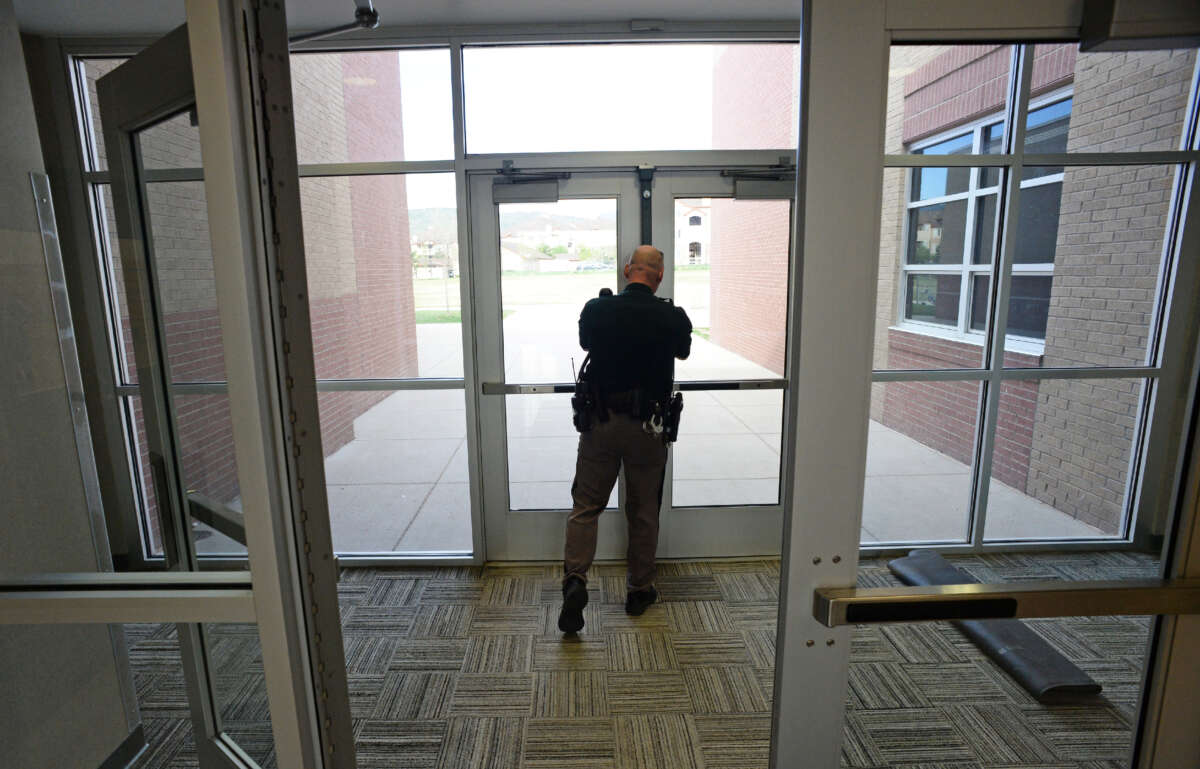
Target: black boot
x=636 y=603
x=575 y=597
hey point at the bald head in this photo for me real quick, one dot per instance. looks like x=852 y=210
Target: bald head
x=645 y=266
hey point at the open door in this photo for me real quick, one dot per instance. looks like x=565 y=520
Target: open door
x=201 y=151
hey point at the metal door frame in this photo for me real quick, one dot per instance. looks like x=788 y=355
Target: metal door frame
x=541 y=530
x=238 y=75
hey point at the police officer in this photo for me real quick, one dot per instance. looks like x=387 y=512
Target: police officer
x=632 y=339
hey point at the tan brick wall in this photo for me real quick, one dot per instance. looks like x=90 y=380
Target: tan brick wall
x=1106 y=270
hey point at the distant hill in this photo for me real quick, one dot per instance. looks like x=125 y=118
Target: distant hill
x=441 y=224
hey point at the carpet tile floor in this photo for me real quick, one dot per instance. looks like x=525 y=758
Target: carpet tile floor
x=465 y=667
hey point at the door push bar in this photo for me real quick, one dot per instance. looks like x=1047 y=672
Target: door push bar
x=500 y=388
x=834 y=606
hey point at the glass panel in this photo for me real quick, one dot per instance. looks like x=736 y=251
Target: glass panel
x=992 y=144
x=139 y=460
x=932 y=298
x=396 y=470
x=208 y=463
x=542 y=445
x=936 y=233
x=1126 y=101
x=923 y=689
x=554 y=257
x=382 y=256
x=734 y=286
x=920 y=446
x=94 y=152
x=1046 y=132
x=908 y=302
x=728 y=449
x=702 y=96
x=110 y=259
x=372 y=106
x=984 y=242
x=1061 y=463
x=240 y=689
x=1103 y=229
x=938 y=182
x=187 y=289
x=1037 y=225
x=941 y=92
x=173 y=143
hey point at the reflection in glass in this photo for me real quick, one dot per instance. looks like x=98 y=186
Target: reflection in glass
x=240 y=689
x=1061 y=463
x=396 y=470
x=172 y=143
x=1037 y=225
x=554 y=257
x=935 y=233
x=985 y=229
x=1046 y=133
x=932 y=299
x=920 y=446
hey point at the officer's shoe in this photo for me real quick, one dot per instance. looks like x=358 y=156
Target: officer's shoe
x=575 y=597
x=636 y=602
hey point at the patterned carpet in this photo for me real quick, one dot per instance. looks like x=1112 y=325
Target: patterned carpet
x=463 y=667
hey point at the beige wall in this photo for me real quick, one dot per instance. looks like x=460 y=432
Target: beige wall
x=61 y=701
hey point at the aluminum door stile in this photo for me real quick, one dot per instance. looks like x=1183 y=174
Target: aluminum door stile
x=243 y=92
x=844 y=50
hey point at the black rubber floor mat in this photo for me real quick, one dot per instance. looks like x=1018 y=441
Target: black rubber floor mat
x=1026 y=656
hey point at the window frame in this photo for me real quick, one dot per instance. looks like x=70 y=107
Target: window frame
x=961 y=331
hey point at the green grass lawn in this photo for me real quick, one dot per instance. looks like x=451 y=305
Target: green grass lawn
x=444 y=316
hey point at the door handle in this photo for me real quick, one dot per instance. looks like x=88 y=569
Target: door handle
x=834 y=606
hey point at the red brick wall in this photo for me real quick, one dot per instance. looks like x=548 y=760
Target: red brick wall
x=750 y=238
x=364 y=328
x=941 y=415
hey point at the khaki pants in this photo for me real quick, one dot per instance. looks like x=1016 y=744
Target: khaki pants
x=603 y=450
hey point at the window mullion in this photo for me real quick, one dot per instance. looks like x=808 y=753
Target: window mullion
x=1016 y=109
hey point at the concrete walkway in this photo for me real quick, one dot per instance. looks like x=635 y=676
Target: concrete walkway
x=401 y=484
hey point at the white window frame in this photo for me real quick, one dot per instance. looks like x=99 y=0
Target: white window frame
x=968 y=271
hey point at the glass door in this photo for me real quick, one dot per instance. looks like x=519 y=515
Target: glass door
x=728 y=250
x=544 y=245
x=192 y=331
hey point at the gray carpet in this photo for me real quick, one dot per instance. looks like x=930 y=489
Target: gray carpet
x=464 y=667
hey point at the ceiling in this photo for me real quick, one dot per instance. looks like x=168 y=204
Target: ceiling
x=144 y=17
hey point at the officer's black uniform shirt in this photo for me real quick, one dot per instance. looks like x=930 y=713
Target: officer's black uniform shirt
x=633 y=338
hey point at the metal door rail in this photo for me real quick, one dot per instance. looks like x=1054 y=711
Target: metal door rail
x=859 y=606
x=226 y=520
x=500 y=388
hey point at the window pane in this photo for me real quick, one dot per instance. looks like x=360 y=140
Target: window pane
x=542 y=444
x=919 y=450
x=980 y=286
x=937 y=182
x=936 y=233
x=173 y=143
x=104 y=217
x=1028 y=305
x=1037 y=226
x=1125 y=101
x=1061 y=463
x=701 y=96
x=899 y=343
x=372 y=106
x=396 y=470
x=932 y=299
x=1103 y=229
x=993 y=143
x=728 y=449
x=736 y=292
x=382 y=256
x=985 y=229
x=933 y=89
x=94 y=152
x=209 y=464
x=1046 y=132
x=554 y=257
